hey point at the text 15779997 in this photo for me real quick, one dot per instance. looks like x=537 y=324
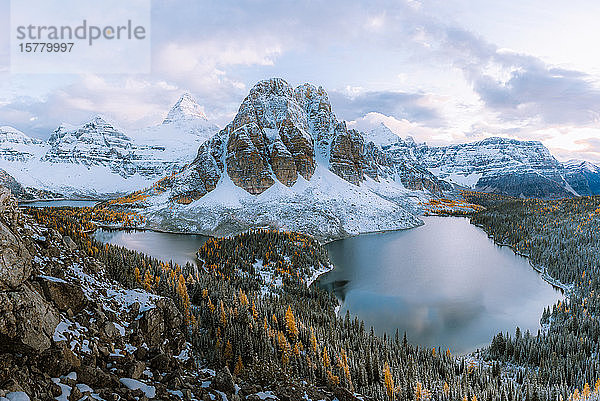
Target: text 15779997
x=41 y=47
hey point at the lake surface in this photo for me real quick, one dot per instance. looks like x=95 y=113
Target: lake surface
x=60 y=203
x=179 y=248
x=445 y=283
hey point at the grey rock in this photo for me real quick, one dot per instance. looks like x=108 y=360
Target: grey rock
x=15 y=260
x=223 y=381
x=27 y=321
x=69 y=243
x=64 y=295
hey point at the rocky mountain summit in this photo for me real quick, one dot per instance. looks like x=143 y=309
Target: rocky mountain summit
x=285 y=160
x=186 y=108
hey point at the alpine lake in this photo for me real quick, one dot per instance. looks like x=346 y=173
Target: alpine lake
x=445 y=283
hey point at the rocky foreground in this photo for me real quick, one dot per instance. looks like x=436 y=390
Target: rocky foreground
x=68 y=332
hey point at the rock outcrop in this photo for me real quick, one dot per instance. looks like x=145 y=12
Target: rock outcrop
x=278 y=134
x=27 y=320
x=15 y=259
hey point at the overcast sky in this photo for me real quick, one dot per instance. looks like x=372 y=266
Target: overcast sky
x=443 y=71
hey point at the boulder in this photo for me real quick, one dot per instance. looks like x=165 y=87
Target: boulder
x=59 y=360
x=343 y=394
x=27 y=321
x=111 y=331
x=63 y=294
x=69 y=243
x=223 y=381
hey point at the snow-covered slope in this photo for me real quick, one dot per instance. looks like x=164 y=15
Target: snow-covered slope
x=518 y=168
x=285 y=161
x=99 y=159
x=325 y=206
x=186 y=109
x=181 y=133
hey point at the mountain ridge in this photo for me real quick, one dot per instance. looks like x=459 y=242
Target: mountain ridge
x=100 y=159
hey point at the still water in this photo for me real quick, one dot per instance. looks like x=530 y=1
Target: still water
x=179 y=248
x=445 y=283
x=60 y=203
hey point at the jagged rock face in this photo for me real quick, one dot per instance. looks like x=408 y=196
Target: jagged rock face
x=346 y=158
x=247 y=165
x=300 y=146
x=269 y=134
x=321 y=121
x=277 y=134
x=283 y=164
x=268 y=139
x=15 y=260
x=160 y=322
x=27 y=321
x=63 y=294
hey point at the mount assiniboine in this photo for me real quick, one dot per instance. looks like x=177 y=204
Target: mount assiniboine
x=98 y=159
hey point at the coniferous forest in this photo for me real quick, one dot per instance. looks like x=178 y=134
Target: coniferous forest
x=273 y=326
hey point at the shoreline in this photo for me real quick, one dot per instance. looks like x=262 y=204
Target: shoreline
x=566 y=289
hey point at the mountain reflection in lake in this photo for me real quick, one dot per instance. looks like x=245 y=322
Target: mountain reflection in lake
x=179 y=248
x=445 y=283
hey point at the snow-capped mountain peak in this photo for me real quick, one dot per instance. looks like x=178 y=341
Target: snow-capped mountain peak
x=186 y=108
x=98 y=130
x=13 y=135
x=582 y=165
x=381 y=135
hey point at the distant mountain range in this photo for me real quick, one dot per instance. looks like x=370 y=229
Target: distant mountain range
x=98 y=159
x=285 y=160
x=501 y=165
